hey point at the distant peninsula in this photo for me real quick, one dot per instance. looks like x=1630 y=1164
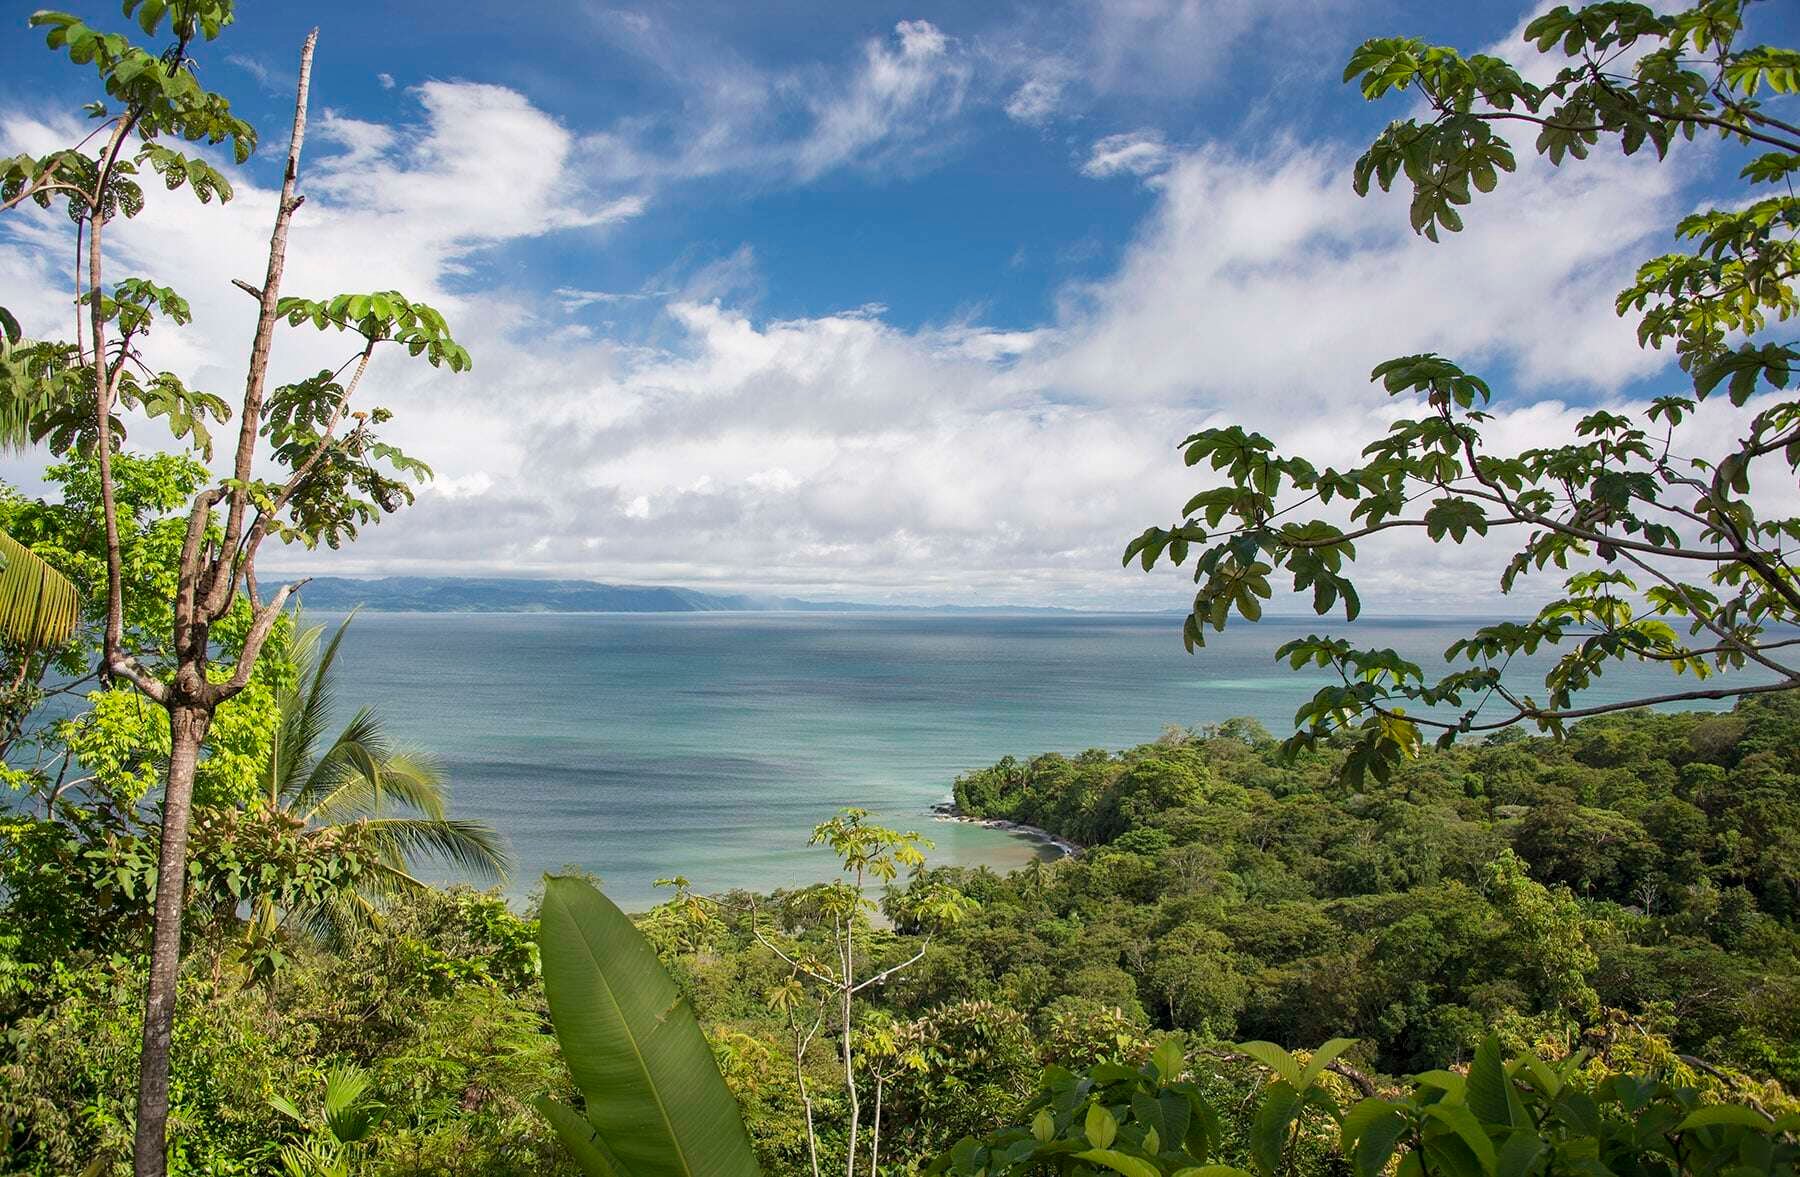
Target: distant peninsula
x=459 y=594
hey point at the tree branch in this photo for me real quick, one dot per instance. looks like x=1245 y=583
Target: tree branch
x=878 y=978
x=112 y=654
x=1705 y=618
x=224 y=572
x=215 y=693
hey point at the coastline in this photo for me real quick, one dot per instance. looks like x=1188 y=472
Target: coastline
x=947 y=811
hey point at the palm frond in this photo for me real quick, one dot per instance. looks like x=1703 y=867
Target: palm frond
x=471 y=846
x=338 y=917
x=39 y=608
x=409 y=784
x=361 y=742
x=297 y=734
x=416 y=779
x=395 y=798
x=319 y=682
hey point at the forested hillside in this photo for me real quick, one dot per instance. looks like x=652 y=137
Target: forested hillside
x=1451 y=923
x=1640 y=879
x=1651 y=863
x=1631 y=892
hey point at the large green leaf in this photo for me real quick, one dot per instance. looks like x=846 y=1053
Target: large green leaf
x=38 y=606
x=654 y=1095
x=1322 y=1058
x=1274 y=1119
x=1488 y=1091
x=578 y=1137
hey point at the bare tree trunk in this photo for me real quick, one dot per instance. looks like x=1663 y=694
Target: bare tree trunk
x=187 y=729
x=801 y=1042
x=849 y=991
x=204 y=591
x=875 y=1130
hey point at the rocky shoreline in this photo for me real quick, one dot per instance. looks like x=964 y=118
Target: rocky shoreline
x=947 y=811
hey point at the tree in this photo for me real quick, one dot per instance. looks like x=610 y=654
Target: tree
x=67 y=533
x=1653 y=533
x=866 y=853
x=331 y=480
x=343 y=787
x=346 y=783
x=1544 y=930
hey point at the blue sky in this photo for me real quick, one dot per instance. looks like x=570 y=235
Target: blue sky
x=896 y=302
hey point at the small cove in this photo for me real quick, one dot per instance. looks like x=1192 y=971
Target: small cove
x=638 y=746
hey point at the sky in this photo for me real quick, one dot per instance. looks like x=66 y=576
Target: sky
x=901 y=303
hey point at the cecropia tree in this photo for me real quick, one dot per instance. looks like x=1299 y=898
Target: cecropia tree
x=305 y=467
x=1656 y=533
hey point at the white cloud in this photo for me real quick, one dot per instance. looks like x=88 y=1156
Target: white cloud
x=1175 y=48
x=889 y=107
x=1043 y=93
x=900 y=92
x=1262 y=283
x=839 y=454
x=574 y=299
x=1140 y=153
x=486 y=166
x=265 y=77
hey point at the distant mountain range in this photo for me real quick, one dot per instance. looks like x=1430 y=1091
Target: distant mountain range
x=460 y=594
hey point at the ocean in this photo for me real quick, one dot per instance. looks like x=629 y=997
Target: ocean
x=640 y=746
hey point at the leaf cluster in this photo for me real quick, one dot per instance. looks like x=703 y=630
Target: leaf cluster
x=1652 y=540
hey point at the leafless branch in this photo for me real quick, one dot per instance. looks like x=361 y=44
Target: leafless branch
x=224 y=573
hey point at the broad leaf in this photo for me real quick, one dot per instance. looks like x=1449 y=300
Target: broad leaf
x=654 y=1094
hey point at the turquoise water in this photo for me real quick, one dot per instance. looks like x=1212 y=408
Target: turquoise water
x=643 y=745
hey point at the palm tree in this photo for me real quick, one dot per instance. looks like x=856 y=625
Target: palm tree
x=39 y=607
x=39 y=610
x=394 y=798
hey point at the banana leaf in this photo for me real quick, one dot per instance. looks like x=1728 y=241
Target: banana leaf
x=654 y=1096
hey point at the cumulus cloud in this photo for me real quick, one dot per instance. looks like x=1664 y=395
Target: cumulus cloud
x=486 y=165
x=1137 y=153
x=1259 y=281
x=841 y=454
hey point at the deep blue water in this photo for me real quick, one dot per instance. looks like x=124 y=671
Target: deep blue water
x=644 y=745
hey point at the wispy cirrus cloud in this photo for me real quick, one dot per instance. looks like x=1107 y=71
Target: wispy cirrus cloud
x=1044 y=91
x=887 y=107
x=899 y=93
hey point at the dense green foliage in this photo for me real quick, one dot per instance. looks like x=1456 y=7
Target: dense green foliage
x=1648 y=863
x=442 y=1011
x=1233 y=896
x=1583 y=954
x=1501 y=1117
